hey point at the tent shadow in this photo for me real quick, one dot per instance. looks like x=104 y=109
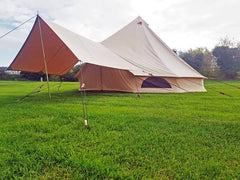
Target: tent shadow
x=95 y=94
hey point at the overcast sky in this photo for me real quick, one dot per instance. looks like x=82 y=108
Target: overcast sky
x=181 y=24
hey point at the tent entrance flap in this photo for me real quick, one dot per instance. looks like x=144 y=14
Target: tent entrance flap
x=155 y=82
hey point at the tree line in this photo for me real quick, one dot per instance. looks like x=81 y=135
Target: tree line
x=29 y=76
x=223 y=62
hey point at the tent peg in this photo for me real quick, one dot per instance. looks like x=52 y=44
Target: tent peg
x=86 y=124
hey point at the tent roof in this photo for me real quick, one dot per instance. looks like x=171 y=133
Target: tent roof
x=135 y=48
x=139 y=45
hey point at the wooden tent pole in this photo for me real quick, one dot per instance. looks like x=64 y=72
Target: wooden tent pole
x=44 y=57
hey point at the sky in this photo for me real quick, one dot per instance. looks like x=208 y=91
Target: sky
x=181 y=24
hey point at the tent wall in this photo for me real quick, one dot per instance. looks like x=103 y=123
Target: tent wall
x=99 y=78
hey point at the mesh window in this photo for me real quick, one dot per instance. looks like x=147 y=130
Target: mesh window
x=155 y=82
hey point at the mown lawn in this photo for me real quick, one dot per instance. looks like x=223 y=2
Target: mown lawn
x=157 y=136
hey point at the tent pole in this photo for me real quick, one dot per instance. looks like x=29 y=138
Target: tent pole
x=44 y=57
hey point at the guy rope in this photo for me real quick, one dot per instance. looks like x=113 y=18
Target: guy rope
x=84 y=101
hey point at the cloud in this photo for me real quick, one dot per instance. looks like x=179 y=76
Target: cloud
x=199 y=23
x=182 y=24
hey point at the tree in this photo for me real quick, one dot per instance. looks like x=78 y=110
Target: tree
x=209 y=67
x=70 y=76
x=2 y=70
x=32 y=76
x=227 y=54
x=202 y=60
x=194 y=58
x=226 y=42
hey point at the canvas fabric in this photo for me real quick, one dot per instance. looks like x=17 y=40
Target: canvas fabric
x=120 y=63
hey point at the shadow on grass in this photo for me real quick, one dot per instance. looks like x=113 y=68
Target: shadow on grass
x=42 y=96
x=67 y=94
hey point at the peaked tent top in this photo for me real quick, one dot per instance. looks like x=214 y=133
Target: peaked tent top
x=140 y=46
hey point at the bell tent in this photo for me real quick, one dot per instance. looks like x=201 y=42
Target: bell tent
x=134 y=59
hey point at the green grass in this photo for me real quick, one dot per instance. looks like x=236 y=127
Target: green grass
x=157 y=136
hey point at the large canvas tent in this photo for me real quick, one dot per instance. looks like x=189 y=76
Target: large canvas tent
x=133 y=60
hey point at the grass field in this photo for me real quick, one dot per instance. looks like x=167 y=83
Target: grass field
x=157 y=136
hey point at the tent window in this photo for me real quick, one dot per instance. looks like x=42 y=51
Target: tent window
x=155 y=82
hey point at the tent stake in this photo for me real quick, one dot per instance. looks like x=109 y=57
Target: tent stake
x=86 y=123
